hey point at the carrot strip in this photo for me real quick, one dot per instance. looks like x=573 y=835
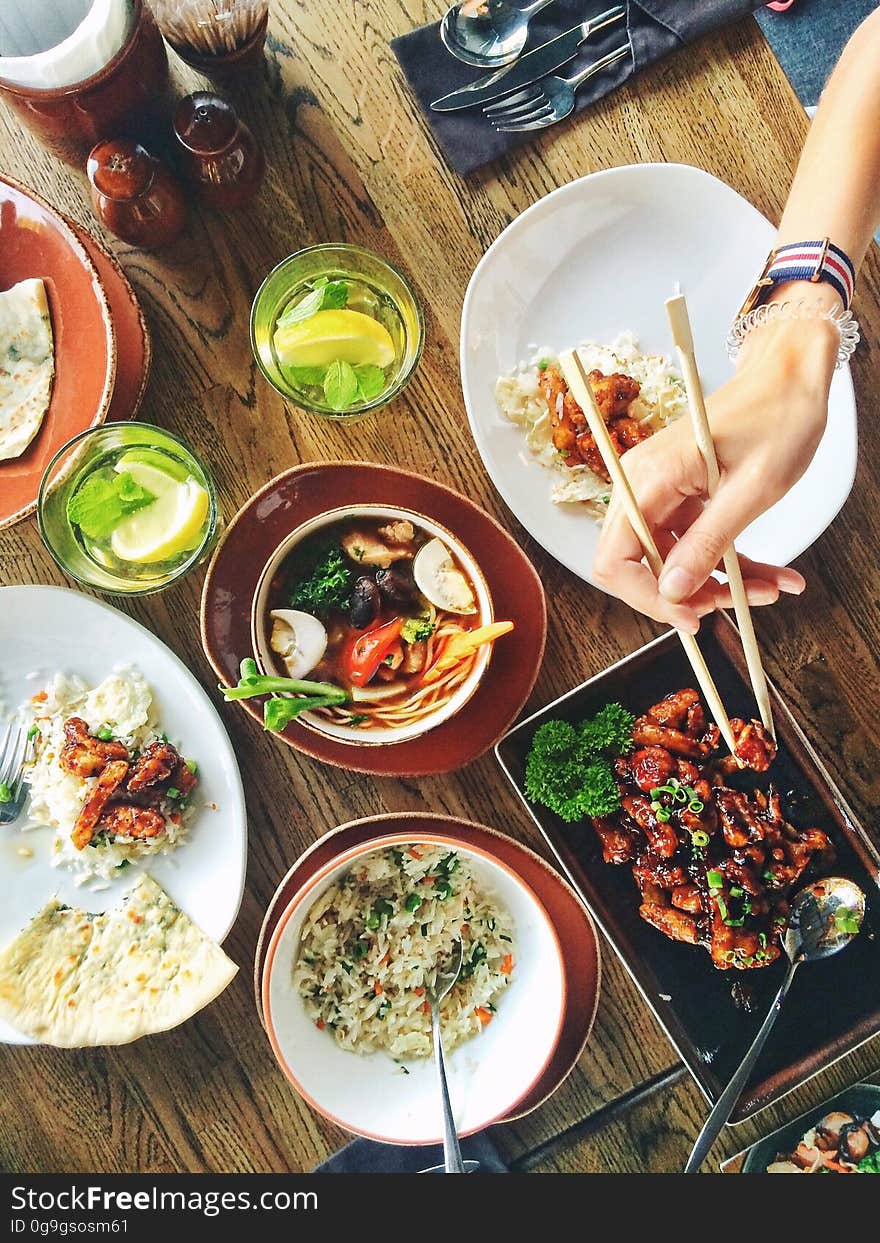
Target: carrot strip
x=483 y=1015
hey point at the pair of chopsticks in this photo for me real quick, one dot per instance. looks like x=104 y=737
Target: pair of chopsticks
x=578 y=381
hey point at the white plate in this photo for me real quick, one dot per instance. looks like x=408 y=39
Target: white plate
x=44 y=630
x=488 y=1075
x=598 y=257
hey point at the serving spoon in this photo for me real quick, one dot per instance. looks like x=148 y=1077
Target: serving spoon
x=488 y=33
x=823 y=919
x=443 y=983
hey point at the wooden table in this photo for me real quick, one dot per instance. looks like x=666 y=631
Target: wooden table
x=350 y=158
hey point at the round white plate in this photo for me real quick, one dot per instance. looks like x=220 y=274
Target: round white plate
x=596 y=258
x=44 y=630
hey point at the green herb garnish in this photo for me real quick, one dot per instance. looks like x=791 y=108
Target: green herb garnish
x=340 y=385
x=327 y=587
x=103 y=500
x=568 y=767
x=5 y=792
x=324 y=296
x=715 y=879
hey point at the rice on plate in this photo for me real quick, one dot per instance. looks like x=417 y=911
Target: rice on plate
x=660 y=399
x=373 y=942
x=103 y=776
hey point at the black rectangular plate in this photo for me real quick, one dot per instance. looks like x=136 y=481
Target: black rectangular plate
x=834 y=1006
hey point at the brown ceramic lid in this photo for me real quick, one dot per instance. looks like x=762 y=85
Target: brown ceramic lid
x=205 y=123
x=121 y=170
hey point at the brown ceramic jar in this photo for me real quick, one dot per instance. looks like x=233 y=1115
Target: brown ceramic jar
x=219 y=155
x=129 y=91
x=134 y=195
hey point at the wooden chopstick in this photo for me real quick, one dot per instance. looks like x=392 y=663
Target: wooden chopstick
x=578 y=381
x=679 y=322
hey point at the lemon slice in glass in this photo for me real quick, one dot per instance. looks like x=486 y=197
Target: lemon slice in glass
x=335 y=336
x=168 y=526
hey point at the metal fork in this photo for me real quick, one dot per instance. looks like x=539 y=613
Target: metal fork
x=14 y=746
x=443 y=984
x=547 y=101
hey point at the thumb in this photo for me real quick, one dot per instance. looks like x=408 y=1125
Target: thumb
x=697 y=553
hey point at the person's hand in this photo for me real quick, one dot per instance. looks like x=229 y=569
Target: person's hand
x=766 y=423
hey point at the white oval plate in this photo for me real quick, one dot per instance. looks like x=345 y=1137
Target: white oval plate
x=596 y=258
x=44 y=630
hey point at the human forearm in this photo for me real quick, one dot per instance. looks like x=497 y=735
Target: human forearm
x=836 y=191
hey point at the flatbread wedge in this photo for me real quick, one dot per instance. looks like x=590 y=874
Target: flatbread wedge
x=75 y=979
x=27 y=365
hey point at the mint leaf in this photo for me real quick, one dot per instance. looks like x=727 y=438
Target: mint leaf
x=335 y=296
x=370 y=379
x=319 y=282
x=309 y=306
x=305 y=376
x=103 y=500
x=340 y=385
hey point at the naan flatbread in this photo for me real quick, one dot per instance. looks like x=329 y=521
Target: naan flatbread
x=27 y=365
x=74 y=979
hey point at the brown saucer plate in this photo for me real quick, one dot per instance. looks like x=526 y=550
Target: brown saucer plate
x=134 y=350
x=35 y=241
x=569 y=916
x=306 y=491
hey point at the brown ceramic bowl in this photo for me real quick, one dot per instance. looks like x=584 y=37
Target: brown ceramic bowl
x=306 y=492
x=36 y=242
x=572 y=923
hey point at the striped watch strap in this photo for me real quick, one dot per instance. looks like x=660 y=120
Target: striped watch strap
x=813 y=261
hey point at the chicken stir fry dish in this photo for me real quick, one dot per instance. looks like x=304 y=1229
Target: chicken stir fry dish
x=714 y=865
x=571 y=435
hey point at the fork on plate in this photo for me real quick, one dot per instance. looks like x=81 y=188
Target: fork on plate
x=546 y=101
x=14 y=747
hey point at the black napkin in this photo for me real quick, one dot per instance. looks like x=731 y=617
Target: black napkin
x=365 y=1156
x=654 y=27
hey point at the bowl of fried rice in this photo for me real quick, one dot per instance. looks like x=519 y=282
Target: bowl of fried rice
x=353 y=958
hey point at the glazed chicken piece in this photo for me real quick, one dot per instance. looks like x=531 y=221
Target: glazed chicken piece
x=617 y=843
x=156 y=763
x=673 y=709
x=647 y=733
x=677 y=925
x=588 y=454
x=129 y=820
x=687 y=898
x=650 y=767
x=661 y=837
x=614 y=393
x=84 y=755
x=365 y=548
x=755 y=748
x=108 y=783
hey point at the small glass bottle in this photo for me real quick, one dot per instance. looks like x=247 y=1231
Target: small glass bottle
x=134 y=195
x=219 y=155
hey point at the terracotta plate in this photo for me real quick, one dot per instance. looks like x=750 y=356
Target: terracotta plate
x=133 y=347
x=834 y=1005
x=572 y=923
x=36 y=241
x=306 y=491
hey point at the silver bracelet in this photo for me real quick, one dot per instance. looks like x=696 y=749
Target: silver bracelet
x=770 y=312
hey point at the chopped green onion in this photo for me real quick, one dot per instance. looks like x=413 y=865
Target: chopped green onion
x=700 y=838
x=722 y=908
x=33 y=732
x=664 y=814
x=656 y=805
x=735 y=891
x=359 y=950
x=173 y=792
x=768 y=875
x=413 y=902
x=5 y=792
x=105 y=734
x=747 y=906
x=192 y=766
x=680 y=796
x=696 y=806
x=443 y=888
x=372 y=921
x=762 y=940
x=714 y=879
x=734 y=923
x=383 y=907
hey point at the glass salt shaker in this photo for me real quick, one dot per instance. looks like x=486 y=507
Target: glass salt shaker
x=219 y=155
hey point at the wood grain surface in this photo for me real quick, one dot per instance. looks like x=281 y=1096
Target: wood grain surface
x=351 y=159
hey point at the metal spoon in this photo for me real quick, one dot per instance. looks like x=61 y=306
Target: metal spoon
x=442 y=985
x=823 y=919
x=488 y=33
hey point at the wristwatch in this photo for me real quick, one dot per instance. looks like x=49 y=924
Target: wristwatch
x=804 y=261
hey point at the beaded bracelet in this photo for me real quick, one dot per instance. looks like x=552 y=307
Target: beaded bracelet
x=770 y=312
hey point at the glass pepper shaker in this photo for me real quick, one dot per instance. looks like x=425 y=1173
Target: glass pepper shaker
x=219 y=155
x=134 y=195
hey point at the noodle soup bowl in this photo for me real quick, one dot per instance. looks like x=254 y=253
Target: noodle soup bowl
x=269 y=663
x=397 y=1101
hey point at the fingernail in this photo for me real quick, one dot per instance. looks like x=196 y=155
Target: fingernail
x=676 y=584
x=792 y=587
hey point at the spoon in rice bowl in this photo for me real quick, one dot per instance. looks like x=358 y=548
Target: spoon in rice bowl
x=443 y=984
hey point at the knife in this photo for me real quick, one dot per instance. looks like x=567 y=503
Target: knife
x=528 y=68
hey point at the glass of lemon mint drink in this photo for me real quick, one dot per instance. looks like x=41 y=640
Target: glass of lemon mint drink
x=337 y=330
x=127 y=508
